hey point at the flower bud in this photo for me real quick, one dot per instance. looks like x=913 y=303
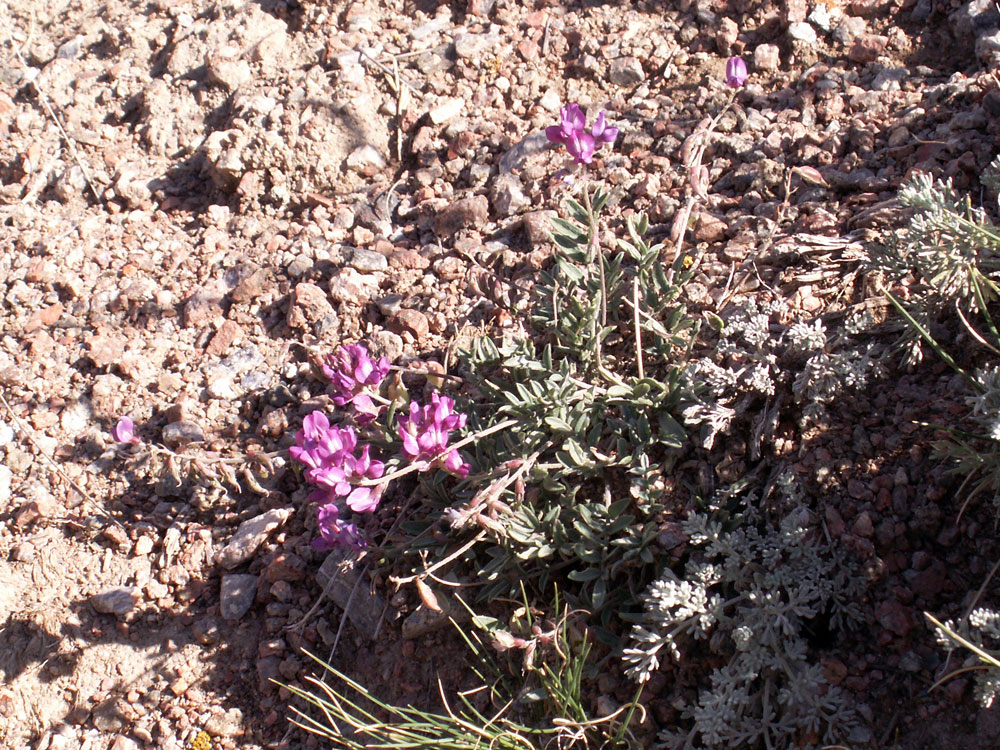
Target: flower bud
x=736 y=72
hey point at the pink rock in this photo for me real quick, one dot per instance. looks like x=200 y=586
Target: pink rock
x=766 y=57
x=894 y=617
x=867 y=47
x=308 y=304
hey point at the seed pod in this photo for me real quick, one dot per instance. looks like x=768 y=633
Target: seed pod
x=427 y=596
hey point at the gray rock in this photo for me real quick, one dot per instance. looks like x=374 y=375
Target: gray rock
x=255 y=381
x=975 y=19
x=389 y=305
x=365 y=156
x=179 y=433
x=116 y=601
x=223 y=388
x=299 y=266
x=339 y=577
x=70 y=50
x=467 y=213
x=368 y=260
x=6 y=477
x=508 y=195
x=249 y=536
x=237 y=595
x=225 y=723
x=206 y=631
x=349 y=286
x=446 y=110
x=519 y=152
x=626 y=71
x=387 y=344
x=802 y=32
x=849 y=29
x=243 y=359
x=473 y=46
x=228 y=73
x=422 y=620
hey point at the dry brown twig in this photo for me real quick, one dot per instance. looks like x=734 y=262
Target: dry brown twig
x=27 y=432
x=46 y=105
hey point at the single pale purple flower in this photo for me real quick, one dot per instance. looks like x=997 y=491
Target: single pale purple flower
x=334 y=532
x=124 y=431
x=425 y=433
x=736 y=72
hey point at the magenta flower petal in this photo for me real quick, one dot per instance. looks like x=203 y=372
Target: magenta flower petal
x=454 y=464
x=736 y=72
x=363 y=499
x=573 y=117
x=555 y=134
x=124 y=431
x=599 y=125
x=581 y=147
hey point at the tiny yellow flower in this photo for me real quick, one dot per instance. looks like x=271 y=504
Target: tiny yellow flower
x=203 y=741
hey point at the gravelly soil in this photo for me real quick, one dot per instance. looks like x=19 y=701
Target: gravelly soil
x=194 y=195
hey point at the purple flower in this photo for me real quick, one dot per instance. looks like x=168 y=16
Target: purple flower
x=736 y=72
x=124 y=431
x=351 y=369
x=329 y=452
x=572 y=133
x=425 y=433
x=572 y=120
x=602 y=131
x=333 y=532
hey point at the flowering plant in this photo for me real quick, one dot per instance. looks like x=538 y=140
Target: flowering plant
x=571 y=132
x=124 y=431
x=425 y=432
x=331 y=453
x=352 y=371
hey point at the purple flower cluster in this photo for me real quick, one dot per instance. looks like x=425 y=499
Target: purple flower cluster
x=351 y=370
x=572 y=132
x=333 y=532
x=341 y=471
x=425 y=433
x=334 y=465
x=336 y=469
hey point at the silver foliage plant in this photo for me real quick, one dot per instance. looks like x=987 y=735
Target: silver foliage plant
x=982 y=631
x=752 y=360
x=745 y=594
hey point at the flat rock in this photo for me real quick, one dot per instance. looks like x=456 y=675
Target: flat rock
x=249 y=536
x=308 y=304
x=182 y=432
x=367 y=261
x=237 y=595
x=116 y=601
x=467 y=213
x=508 y=195
x=339 y=576
x=349 y=286
x=626 y=71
